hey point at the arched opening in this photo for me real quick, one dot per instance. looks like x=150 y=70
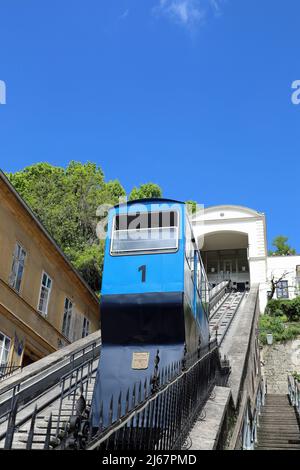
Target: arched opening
x=225 y=257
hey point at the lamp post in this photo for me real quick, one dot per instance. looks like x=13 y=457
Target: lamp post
x=269 y=338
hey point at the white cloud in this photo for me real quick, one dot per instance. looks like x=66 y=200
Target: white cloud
x=187 y=12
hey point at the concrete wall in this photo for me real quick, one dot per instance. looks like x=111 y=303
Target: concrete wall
x=280 y=359
x=244 y=356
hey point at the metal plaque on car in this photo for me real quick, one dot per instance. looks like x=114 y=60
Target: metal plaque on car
x=140 y=360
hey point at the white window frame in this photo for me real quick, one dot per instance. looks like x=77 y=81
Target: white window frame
x=2 y=349
x=49 y=294
x=67 y=317
x=16 y=266
x=85 y=327
x=280 y=289
x=141 y=251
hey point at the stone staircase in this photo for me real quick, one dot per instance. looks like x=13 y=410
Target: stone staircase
x=278 y=425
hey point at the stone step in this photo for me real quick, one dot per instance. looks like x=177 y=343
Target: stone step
x=22 y=446
x=276 y=423
x=286 y=438
x=22 y=437
x=276 y=404
x=276 y=413
x=276 y=448
x=277 y=419
x=280 y=446
x=287 y=432
x=278 y=410
x=272 y=402
x=282 y=431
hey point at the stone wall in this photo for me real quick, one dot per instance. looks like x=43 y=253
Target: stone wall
x=280 y=359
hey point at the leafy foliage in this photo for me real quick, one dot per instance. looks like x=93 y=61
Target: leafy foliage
x=282 y=247
x=66 y=200
x=192 y=207
x=281 y=330
x=282 y=319
x=145 y=191
x=296 y=375
x=289 y=308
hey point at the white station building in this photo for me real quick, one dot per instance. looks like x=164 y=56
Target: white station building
x=233 y=244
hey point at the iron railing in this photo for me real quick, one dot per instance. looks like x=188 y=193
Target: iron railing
x=160 y=413
x=294 y=394
x=251 y=418
x=75 y=381
x=28 y=389
x=20 y=399
x=8 y=369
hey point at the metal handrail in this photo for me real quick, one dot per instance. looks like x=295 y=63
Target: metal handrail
x=86 y=369
x=294 y=393
x=28 y=391
x=8 y=369
x=82 y=375
x=68 y=359
x=251 y=418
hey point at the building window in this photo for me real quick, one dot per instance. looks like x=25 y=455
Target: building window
x=4 y=350
x=45 y=294
x=17 y=269
x=85 y=327
x=282 y=290
x=67 y=317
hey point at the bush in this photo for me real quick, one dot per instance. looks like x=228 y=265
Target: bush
x=272 y=306
x=278 y=326
x=278 y=313
x=296 y=375
x=289 y=308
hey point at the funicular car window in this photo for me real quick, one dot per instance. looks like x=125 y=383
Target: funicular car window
x=145 y=232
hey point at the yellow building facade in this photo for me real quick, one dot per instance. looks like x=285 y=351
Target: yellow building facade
x=44 y=302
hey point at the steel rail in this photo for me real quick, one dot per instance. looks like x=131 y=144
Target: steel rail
x=220 y=341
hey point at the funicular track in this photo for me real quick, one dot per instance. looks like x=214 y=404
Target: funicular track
x=222 y=316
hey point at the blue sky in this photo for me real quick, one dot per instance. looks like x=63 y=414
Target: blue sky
x=192 y=94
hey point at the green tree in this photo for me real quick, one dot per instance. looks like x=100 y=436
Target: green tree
x=282 y=247
x=145 y=191
x=66 y=201
x=192 y=207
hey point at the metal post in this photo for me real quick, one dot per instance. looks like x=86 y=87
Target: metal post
x=11 y=425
